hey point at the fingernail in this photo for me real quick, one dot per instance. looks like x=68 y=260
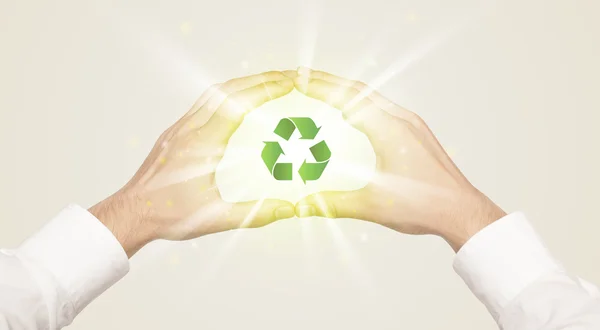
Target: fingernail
x=307 y=211
x=303 y=71
x=301 y=83
x=284 y=212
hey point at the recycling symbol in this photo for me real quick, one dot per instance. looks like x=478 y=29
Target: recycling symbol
x=308 y=131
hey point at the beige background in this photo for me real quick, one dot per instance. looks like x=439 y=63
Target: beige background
x=509 y=87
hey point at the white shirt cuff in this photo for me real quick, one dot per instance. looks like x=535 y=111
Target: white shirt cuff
x=503 y=259
x=82 y=254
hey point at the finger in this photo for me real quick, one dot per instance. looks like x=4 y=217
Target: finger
x=392 y=108
x=231 y=112
x=291 y=73
x=238 y=84
x=338 y=96
x=204 y=98
x=259 y=213
x=176 y=128
x=365 y=91
x=365 y=116
x=214 y=96
x=335 y=204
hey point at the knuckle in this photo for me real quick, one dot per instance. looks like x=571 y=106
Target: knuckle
x=414 y=119
x=359 y=85
x=230 y=85
x=273 y=75
x=319 y=75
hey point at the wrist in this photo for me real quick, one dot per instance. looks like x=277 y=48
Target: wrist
x=121 y=214
x=476 y=212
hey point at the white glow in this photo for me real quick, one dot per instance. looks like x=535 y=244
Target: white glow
x=242 y=157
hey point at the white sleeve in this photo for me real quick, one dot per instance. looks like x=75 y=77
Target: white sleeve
x=509 y=269
x=53 y=275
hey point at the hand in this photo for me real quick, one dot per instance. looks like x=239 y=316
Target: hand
x=174 y=195
x=417 y=188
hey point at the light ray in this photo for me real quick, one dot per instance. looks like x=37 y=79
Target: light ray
x=308 y=22
x=168 y=55
x=308 y=244
x=372 y=50
x=250 y=216
x=418 y=52
x=225 y=250
x=202 y=216
x=196 y=170
x=221 y=254
x=345 y=249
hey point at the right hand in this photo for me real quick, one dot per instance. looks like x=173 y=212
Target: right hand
x=417 y=189
x=174 y=194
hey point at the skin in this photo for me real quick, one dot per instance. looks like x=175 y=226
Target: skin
x=174 y=195
x=417 y=188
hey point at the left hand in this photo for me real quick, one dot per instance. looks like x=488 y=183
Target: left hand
x=417 y=188
x=174 y=195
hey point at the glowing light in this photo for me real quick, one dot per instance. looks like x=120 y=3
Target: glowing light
x=172 y=57
x=323 y=206
x=185 y=27
x=364 y=237
x=250 y=217
x=192 y=171
x=418 y=52
x=308 y=244
x=133 y=142
x=308 y=22
x=451 y=152
x=229 y=244
x=174 y=260
x=348 y=255
x=412 y=17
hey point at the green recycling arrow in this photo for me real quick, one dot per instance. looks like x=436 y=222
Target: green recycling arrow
x=308 y=131
x=270 y=154
x=306 y=126
x=313 y=171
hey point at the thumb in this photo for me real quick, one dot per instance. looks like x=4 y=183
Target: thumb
x=259 y=213
x=334 y=204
